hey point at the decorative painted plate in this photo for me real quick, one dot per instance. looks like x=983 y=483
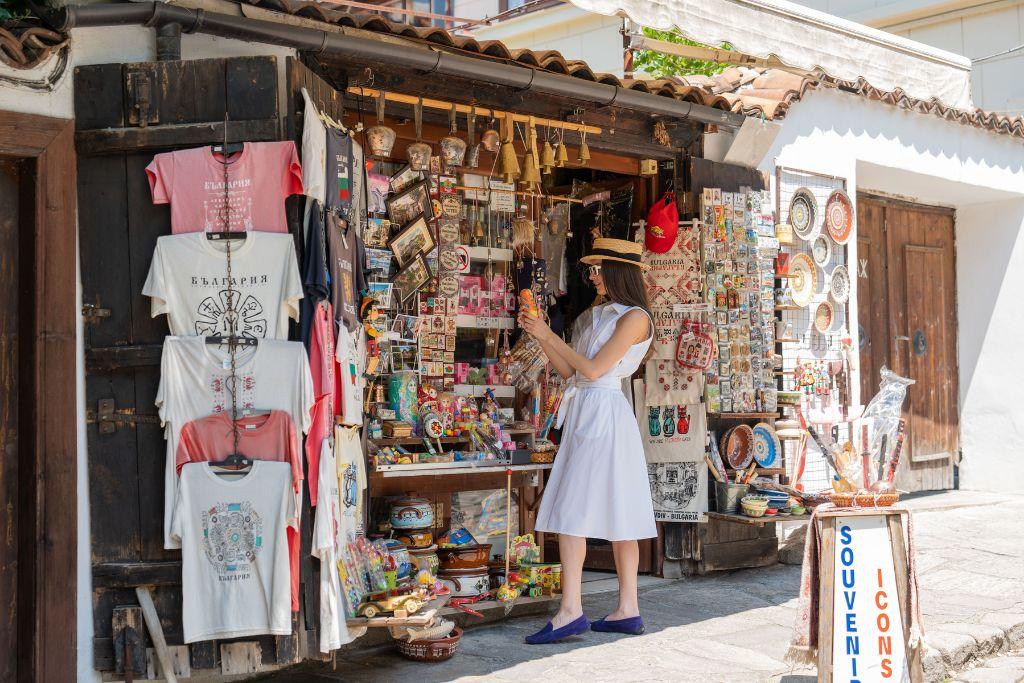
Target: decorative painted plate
x=767 y=446
x=803 y=279
x=821 y=250
x=739 y=447
x=839 y=216
x=824 y=316
x=803 y=214
x=839 y=284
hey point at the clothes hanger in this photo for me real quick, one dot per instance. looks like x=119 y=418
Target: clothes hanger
x=225 y=149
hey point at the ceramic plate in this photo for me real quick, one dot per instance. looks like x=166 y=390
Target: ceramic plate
x=839 y=217
x=824 y=316
x=803 y=279
x=821 y=250
x=739 y=446
x=803 y=214
x=767 y=446
x=839 y=284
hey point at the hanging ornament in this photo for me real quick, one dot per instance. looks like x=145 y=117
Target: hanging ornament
x=508 y=163
x=381 y=138
x=453 y=148
x=491 y=140
x=547 y=156
x=418 y=152
x=531 y=170
x=584 y=149
x=561 y=153
x=473 y=153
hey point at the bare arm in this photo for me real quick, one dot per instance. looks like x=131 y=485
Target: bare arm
x=630 y=329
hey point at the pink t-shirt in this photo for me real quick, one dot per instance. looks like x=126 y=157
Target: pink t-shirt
x=260 y=437
x=321 y=355
x=320 y=426
x=259 y=179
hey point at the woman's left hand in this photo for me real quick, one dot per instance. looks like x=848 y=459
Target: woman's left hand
x=536 y=327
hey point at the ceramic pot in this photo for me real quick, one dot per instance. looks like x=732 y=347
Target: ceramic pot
x=466 y=583
x=471 y=557
x=417 y=539
x=418 y=154
x=425 y=558
x=412 y=513
x=453 y=151
x=401 y=555
x=381 y=140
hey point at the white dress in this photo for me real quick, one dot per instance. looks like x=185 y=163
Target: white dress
x=598 y=487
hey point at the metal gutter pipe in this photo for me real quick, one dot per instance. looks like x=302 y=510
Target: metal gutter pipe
x=375 y=51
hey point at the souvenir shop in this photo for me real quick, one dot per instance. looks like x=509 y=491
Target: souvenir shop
x=356 y=435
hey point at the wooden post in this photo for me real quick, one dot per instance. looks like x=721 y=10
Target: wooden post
x=826 y=597
x=156 y=632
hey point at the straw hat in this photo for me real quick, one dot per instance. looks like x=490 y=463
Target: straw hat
x=608 y=249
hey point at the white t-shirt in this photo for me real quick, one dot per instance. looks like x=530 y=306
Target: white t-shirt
x=188 y=281
x=330 y=536
x=314 y=151
x=235 y=577
x=350 y=351
x=348 y=451
x=273 y=375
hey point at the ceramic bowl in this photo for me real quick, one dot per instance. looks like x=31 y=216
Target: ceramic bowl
x=798 y=510
x=416 y=539
x=469 y=557
x=751 y=510
x=412 y=513
x=425 y=558
x=739 y=447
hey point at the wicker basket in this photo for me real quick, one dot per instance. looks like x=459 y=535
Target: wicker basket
x=864 y=500
x=431 y=650
x=543 y=457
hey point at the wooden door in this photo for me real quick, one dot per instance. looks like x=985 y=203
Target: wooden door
x=907 y=306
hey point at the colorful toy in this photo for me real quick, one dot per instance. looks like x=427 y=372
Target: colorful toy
x=528 y=303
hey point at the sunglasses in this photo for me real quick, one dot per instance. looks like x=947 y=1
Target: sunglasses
x=594 y=271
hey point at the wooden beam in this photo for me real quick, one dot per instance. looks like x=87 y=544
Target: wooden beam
x=117 y=140
x=131 y=574
x=156 y=632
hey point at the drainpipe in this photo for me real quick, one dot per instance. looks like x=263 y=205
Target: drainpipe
x=168 y=42
x=423 y=59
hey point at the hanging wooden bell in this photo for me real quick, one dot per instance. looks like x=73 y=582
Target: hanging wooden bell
x=508 y=163
x=380 y=138
x=453 y=148
x=531 y=169
x=547 y=158
x=418 y=152
x=561 y=154
x=584 y=149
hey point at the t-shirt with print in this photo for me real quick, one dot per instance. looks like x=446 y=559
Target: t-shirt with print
x=194 y=382
x=350 y=349
x=260 y=177
x=260 y=437
x=330 y=538
x=188 y=281
x=314 y=150
x=346 y=179
x=351 y=474
x=347 y=259
x=235 y=576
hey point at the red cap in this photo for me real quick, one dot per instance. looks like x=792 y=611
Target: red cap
x=662 y=225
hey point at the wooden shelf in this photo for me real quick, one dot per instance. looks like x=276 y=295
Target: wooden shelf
x=415 y=440
x=757 y=521
x=480 y=390
x=449 y=468
x=488 y=253
x=484 y=322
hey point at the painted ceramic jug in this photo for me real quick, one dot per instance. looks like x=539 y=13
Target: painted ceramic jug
x=412 y=513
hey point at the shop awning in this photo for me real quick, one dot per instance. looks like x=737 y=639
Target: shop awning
x=806 y=39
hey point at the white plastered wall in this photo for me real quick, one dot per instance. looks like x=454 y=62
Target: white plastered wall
x=924 y=159
x=102 y=46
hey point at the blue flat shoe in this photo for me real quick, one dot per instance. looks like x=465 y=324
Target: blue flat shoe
x=553 y=635
x=634 y=626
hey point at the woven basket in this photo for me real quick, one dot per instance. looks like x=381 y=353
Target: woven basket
x=864 y=500
x=543 y=457
x=431 y=650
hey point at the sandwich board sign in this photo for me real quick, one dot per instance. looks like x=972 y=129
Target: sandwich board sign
x=864 y=618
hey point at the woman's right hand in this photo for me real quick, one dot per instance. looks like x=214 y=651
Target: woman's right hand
x=536 y=327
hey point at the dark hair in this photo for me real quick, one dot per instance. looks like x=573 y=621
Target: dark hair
x=624 y=284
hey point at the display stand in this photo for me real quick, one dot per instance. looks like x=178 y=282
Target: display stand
x=864 y=597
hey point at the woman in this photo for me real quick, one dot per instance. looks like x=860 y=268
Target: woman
x=599 y=487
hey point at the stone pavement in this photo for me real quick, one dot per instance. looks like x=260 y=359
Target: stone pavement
x=736 y=626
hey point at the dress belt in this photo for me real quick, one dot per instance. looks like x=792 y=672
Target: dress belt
x=575 y=384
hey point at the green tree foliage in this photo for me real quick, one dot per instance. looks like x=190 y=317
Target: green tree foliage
x=14 y=9
x=661 y=65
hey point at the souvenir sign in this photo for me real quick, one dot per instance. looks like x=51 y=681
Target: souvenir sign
x=412 y=240
x=803 y=214
x=412 y=277
x=412 y=202
x=447 y=184
x=839 y=284
x=435 y=206
x=449 y=286
x=695 y=349
x=839 y=216
x=451 y=207
x=502 y=196
x=824 y=316
x=803 y=279
x=448 y=231
x=766 y=446
x=821 y=249
x=404 y=179
x=448 y=259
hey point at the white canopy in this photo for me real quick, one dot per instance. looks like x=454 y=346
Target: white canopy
x=806 y=39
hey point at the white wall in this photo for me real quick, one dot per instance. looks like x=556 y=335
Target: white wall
x=101 y=46
x=593 y=38
x=925 y=159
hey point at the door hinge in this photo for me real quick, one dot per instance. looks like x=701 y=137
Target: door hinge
x=140 y=86
x=109 y=418
x=92 y=313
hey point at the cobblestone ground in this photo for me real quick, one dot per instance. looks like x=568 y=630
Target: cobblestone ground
x=736 y=626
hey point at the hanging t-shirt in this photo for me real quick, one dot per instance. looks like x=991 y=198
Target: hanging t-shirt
x=235 y=576
x=350 y=350
x=321 y=354
x=259 y=178
x=194 y=382
x=351 y=477
x=346 y=179
x=316 y=282
x=319 y=430
x=347 y=258
x=330 y=538
x=188 y=281
x=314 y=150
